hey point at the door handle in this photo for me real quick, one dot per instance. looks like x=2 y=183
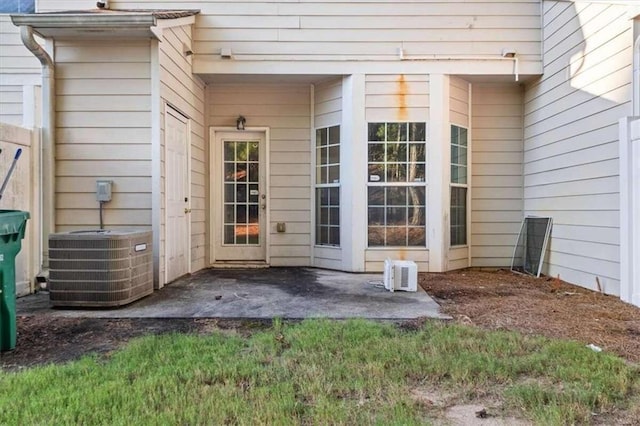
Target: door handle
x=186 y=210
x=263 y=206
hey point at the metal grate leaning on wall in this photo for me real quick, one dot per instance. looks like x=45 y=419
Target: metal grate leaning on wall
x=528 y=254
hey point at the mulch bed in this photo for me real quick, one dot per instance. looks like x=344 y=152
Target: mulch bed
x=502 y=300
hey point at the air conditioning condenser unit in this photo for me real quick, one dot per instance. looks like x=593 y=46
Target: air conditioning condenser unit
x=100 y=268
x=400 y=275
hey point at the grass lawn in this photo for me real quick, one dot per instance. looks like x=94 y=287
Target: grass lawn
x=322 y=372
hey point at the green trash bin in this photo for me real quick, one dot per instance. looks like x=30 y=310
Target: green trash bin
x=12 y=226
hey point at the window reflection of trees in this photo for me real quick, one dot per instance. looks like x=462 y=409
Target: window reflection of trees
x=396 y=195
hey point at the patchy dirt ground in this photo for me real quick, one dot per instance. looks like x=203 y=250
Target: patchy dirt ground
x=488 y=299
x=44 y=340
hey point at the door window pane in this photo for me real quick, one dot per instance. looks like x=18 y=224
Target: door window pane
x=254 y=151
x=241 y=198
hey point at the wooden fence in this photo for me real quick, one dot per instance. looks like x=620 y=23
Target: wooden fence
x=22 y=193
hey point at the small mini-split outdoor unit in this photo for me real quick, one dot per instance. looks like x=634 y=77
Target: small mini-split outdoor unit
x=100 y=268
x=400 y=275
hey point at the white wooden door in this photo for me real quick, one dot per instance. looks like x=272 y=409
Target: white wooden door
x=240 y=196
x=178 y=239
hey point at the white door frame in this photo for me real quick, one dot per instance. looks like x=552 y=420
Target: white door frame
x=175 y=112
x=212 y=201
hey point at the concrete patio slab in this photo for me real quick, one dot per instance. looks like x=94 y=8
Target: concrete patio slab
x=288 y=293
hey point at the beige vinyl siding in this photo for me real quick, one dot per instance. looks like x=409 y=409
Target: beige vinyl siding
x=11 y=105
x=58 y=5
x=285 y=110
x=374 y=258
x=571 y=138
x=459 y=115
x=396 y=98
x=327 y=257
x=328 y=112
x=364 y=30
x=15 y=58
x=103 y=131
x=497 y=164
x=327 y=32
x=458 y=258
x=328 y=103
x=341 y=30
x=18 y=68
x=459 y=102
x=185 y=92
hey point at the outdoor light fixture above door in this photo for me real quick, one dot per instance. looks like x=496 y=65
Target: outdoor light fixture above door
x=240 y=123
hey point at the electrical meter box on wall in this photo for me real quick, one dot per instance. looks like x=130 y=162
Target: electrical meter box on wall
x=103 y=190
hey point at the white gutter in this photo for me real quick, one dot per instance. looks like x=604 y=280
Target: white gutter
x=86 y=20
x=103 y=24
x=47 y=172
x=513 y=57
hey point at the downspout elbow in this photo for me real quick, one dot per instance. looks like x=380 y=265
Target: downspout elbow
x=26 y=34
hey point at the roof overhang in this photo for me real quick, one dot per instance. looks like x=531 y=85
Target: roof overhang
x=104 y=24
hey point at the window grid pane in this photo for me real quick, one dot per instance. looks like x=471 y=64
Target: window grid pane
x=458 y=155
x=327 y=186
x=458 y=214
x=396 y=216
x=397 y=152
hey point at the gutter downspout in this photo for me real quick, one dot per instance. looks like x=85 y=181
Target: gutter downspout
x=636 y=76
x=47 y=172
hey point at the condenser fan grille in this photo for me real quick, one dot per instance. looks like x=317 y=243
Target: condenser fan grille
x=100 y=268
